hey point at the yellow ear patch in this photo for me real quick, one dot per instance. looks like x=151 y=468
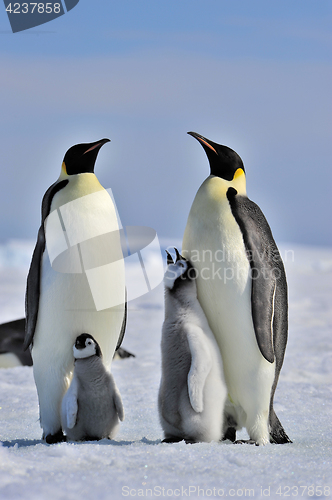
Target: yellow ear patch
x=239 y=181
x=238 y=173
x=63 y=172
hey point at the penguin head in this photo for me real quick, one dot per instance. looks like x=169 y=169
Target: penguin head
x=224 y=162
x=179 y=272
x=81 y=158
x=86 y=346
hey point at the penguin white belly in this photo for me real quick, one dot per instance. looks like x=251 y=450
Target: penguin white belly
x=216 y=249
x=9 y=360
x=67 y=309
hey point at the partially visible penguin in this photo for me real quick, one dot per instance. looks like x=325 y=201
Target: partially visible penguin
x=59 y=301
x=12 y=336
x=242 y=288
x=192 y=389
x=92 y=407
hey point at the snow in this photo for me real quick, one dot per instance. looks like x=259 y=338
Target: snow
x=136 y=463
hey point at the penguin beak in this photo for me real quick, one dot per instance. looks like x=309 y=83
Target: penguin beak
x=169 y=258
x=178 y=255
x=205 y=142
x=79 y=344
x=97 y=144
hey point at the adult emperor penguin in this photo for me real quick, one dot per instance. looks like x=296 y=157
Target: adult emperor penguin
x=192 y=389
x=59 y=301
x=92 y=407
x=241 y=286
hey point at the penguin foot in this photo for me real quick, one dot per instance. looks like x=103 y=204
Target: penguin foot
x=246 y=441
x=91 y=438
x=58 y=437
x=190 y=441
x=172 y=439
x=230 y=434
x=123 y=354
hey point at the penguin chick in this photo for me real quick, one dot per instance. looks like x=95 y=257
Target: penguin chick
x=192 y=390
x=92 y=406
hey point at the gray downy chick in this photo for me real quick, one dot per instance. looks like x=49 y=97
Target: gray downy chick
x=192 y=391
x=92 y=406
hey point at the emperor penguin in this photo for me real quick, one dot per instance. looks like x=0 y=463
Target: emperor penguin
x=12 y=336
x=242 y=288
x=92 y=407
x=59 y=299
x=192 y=389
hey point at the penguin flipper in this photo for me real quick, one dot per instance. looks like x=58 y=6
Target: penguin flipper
x=33 y=289
x=267 y=271
x=199 y=368
x=124 y=324
x=117 y=402
x=70 y=404
x=33 y=280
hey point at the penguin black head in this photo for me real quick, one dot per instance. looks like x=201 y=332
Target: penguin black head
x=86 y=346
x=80 y=159
x=224 y=162
x=178 y=272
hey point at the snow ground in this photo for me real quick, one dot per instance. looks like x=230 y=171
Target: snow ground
x=136 y=463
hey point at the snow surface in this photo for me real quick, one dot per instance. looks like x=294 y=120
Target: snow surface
x=136 y=463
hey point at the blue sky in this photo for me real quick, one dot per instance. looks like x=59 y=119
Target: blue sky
x=253 y=75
